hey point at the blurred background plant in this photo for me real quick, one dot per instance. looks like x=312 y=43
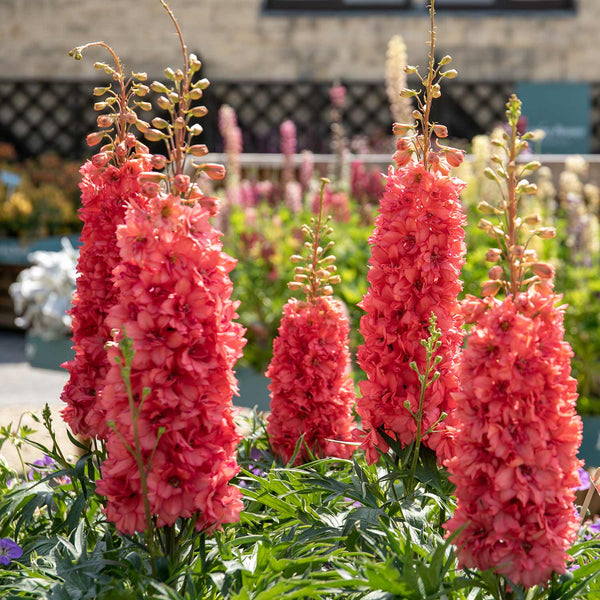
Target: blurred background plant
x=42 y=293
x=38 y=197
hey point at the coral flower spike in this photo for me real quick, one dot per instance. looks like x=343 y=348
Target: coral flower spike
x=417 y=252
x=518 y=431
x=312 y=393
x=109 y=182
x=168 y=393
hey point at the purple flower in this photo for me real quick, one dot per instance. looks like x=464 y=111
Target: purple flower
x=585 y=480
x=9 y=550
x=39 y=465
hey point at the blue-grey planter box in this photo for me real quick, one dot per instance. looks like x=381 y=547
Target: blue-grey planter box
x=47 y=354
x=590 y=446
x=253 y=389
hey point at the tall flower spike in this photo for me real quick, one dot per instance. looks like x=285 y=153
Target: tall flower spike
x=417 y=253
x=517 y=429
x=312 y=393
x=395 y=79
x=171 y=450
x=109 y=182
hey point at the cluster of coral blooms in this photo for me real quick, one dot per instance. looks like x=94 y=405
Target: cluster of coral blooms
x=160 y=278
x=417 y=253
x=518 y=439
x=174 y=304
x=312 y=392
x=105 y=190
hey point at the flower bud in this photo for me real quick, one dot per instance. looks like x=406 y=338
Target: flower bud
x=198 y=150
x=493 y=254
x=214 y=171
x=517 y=251
x=130 y=117
x=151 y=190
x=153 y=135
x=490 y=288
x=99 y=160
x=104 y=120
x=543 y=270
x=151 y=177
x=496 y=272
x=163 y=102
x=408 y=93
x=195 y=94
x=533 y=220
x=454 y=156
x=402 y=128
x=181 y=183
x=94 y=138
x=450 y=74
x=158 y=161
x=198 y=111
x=440 y=130
x=130 y=140
x=546 y=233
x=142 y=126
x=100 y=105
x=202 y=84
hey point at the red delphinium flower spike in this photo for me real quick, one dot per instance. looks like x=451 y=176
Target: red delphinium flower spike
x=109 y=182
x=417 y=253
x=312 y=393
x=168 y=393
x=517 y=429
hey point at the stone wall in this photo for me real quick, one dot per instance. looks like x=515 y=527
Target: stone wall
x=237 y=39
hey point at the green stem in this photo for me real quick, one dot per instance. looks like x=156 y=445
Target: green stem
x=415 y=458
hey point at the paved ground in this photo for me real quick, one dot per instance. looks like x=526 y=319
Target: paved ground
x=24 y=389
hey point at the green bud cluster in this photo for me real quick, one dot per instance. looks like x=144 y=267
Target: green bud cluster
x=316 y=273
x=518 y=265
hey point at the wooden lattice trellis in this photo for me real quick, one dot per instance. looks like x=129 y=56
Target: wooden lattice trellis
x=38 y=116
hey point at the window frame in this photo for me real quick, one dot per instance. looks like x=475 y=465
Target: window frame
x=383 y=5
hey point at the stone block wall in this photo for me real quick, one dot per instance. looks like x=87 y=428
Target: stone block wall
x=237 y=39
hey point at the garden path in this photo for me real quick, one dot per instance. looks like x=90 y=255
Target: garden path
x=24 y=389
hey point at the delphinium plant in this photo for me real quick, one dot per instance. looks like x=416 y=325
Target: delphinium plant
x=312 y=392
x=168 y=391
x=417 y=253
x=515 y=467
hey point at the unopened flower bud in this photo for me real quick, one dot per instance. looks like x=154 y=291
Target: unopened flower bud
x=181 y=183
x=195 y=94
x=533 y=220
x=153 y=135
x=104 y=120
x=151 y=190
x=402 y=128
x=450 y=74
x=440 y=130
x=163 y=102
x=151 y=177
x=130 y=117
x=517 y=251
x=495 y=272
x=94 y=138
x=158 y=161
x=490 y=288
x=493 y=254
x=546 y=233
x=99 y=160
x=100 y=105
x=543 y=270
x=198 y=111
x=198 y=150
x=130 y=140
x=214 y=171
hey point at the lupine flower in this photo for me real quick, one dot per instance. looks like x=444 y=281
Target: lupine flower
x=519 y=436
x=417 y=254
x=174 y=305
x=307 y=169
x=312 y=393
x=287 y=145
x=105 y=191
x=233 y=147
x=9 y=550
x=337 y=204
x=395 y=79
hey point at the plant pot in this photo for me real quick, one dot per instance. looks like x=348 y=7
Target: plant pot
x=590 y=446
x=253 y=389
x=48 y=354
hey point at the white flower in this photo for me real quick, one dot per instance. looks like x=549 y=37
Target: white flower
x=42 y=293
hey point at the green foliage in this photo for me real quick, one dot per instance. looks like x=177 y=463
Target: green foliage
x=331 y=529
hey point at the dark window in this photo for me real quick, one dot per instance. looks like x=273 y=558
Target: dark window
x=335 y=5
